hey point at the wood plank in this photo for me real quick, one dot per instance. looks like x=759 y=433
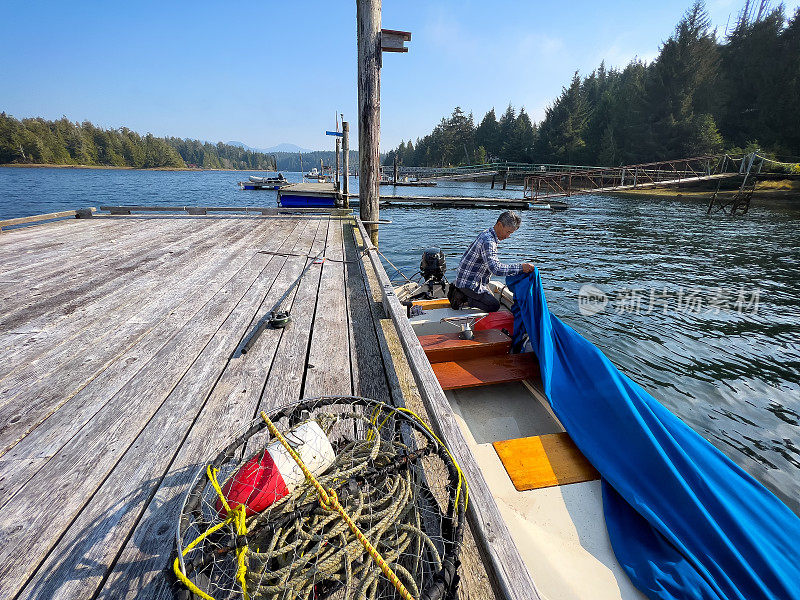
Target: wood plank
x=69 y=479
x=486 y=370
x=46 y=439
x=544 y=461
x=34 y=218
x=55 y=377
x=75 y=284
x=510 y=576
x=329 y=351
x=138 y=570
x=82 y=237
x=442 y=347
x=403 y=389
x=285 y=380
x=160 y=284
x=17 y=246
x=21 y=345
x=227 y=400
x=368 y=370
x=432 y=304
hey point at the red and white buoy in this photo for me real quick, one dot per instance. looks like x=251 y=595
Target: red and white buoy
x=273 y=473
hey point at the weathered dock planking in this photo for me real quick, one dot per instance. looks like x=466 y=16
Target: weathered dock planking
x=120 y=376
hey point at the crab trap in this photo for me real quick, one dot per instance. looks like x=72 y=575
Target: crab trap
x=334 y=497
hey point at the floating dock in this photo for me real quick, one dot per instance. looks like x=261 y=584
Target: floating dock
x=121 y=376
x=316 y=194
x=409 y=183
x=450 y=202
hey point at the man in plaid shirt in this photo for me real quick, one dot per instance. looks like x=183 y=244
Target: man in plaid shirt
x=479 y=261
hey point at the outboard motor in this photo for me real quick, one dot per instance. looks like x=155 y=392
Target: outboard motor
x=433 y=265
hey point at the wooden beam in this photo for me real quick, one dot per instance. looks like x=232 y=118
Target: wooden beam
x=346 y=163
x=45 y=217
x=369 y=110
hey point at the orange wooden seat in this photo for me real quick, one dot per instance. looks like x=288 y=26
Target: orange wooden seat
x=431 y=304
x=544 y=461
x=486 y=370
x=442 y=347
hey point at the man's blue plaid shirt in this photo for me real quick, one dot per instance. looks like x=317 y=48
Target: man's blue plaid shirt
x=479 y=261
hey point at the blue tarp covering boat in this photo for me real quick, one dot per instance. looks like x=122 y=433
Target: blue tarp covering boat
x=684 y=520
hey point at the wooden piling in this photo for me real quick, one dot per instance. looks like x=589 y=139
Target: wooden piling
x=369 y=90
x=336 y=172
x=395 y=168
x=346 y=163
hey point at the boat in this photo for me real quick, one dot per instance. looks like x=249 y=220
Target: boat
x=408 y=182
x=558 y=529
x=264 y=183
x=551 y=497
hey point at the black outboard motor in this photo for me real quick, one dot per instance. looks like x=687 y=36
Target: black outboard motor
x=433 y=265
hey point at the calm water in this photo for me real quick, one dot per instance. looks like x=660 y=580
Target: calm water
x=704 y=312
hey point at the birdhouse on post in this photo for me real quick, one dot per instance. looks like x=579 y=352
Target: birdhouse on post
x=394 y=41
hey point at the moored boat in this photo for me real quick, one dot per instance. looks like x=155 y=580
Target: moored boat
x=264 y=183
x=556 y=514
x=605 y=493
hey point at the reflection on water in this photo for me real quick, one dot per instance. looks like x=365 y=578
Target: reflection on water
x=733 y=376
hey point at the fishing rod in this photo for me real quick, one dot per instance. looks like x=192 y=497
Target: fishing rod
x=275 y=318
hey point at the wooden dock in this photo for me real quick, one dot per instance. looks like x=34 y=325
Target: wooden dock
x=450 y=202
x=120 y=376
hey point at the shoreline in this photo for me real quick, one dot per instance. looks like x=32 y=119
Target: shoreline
x=778 y=189
x=115 y=168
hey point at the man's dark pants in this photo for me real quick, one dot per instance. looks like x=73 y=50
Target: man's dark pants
x=481 y=300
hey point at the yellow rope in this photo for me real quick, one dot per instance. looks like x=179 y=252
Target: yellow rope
x=329 y=501
x=461 y=479
x=237 y=517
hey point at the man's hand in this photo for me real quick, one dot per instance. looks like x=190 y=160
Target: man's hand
x=528 y=267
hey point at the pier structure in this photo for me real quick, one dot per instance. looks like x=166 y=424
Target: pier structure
x=652 y=175
x=122 y=374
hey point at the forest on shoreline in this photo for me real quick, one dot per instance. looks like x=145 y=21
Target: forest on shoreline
x=37 y=141
x=62 y=142
x=704 y=93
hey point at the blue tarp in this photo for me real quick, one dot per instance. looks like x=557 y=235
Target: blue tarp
x=685 y=521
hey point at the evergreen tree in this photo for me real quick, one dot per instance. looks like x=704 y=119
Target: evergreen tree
x=487 y=135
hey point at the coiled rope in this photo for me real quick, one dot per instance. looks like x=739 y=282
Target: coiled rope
x=324 y=545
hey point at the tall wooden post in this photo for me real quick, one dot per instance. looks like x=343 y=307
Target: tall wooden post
x=395 y=168
x=346 y=163
x=369 y=107
x=336 y=172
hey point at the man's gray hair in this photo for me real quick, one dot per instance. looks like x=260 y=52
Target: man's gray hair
x=510 y=218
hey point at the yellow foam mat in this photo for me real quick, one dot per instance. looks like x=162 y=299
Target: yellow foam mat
x=544 y=461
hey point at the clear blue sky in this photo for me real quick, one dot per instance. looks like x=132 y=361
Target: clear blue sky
x=270 y=72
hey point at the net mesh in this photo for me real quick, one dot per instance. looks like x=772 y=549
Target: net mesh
x=254 y=526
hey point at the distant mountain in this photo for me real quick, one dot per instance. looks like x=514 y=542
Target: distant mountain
x=284 y=147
